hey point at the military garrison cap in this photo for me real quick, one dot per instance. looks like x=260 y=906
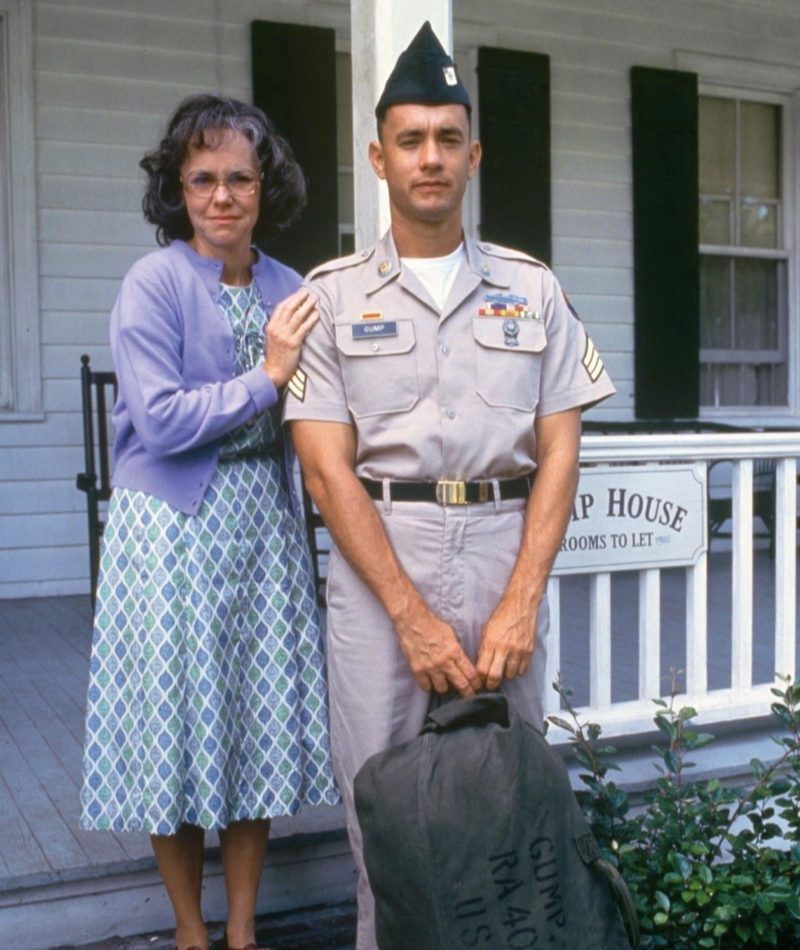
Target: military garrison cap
x=424 y=75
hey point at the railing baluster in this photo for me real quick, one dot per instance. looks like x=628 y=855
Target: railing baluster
x=744 y=700
x=742 y=575
x=785 y=565
x=600 y=640
x=697 y=627
x=649 y=633
x=553 y=665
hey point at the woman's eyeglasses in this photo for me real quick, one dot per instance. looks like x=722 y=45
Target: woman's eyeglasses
x=203 y=185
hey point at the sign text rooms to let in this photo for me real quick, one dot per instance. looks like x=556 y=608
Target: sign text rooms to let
x=632 y=517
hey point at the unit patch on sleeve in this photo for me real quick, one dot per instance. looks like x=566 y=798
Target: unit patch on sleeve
x=297 y=384
x=591 y=361
x=571 y=309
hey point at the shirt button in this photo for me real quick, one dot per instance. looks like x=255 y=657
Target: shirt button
x=375 y=347
x=451 y=413
x=446 y=350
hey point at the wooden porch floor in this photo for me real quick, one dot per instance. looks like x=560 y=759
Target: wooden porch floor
x=44 y=656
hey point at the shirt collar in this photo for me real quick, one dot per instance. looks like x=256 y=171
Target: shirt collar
x=385 y=264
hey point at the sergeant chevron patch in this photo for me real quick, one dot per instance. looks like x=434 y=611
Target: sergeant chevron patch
x=297 y=384
x=591 y=361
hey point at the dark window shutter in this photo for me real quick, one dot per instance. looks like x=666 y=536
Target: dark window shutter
x=294 y=82
x=514 y=111
x=666 y=243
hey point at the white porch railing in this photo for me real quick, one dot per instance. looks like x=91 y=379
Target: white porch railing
x=743 y=699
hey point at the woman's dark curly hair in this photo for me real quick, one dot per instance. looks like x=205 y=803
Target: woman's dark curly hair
x=283 y=187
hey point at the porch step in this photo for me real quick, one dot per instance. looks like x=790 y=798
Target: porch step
x=307 y=870
x=314 y=928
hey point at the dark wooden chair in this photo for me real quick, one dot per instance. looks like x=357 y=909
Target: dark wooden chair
x=98 y=394
x=720 y=507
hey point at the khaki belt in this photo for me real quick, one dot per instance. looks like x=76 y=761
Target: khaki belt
x=450 y=492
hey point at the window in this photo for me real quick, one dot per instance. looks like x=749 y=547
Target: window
x=20 y=366
x=744 y=261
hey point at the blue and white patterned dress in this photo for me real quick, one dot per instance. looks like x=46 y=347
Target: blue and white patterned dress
x=207 y=696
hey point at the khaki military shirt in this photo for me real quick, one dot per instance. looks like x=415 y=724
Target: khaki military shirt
x=449 y=393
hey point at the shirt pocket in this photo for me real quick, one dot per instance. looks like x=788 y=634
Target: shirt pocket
x=380 y=372
x=509 y=364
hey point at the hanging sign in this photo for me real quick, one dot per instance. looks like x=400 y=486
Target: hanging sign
x=631 y=517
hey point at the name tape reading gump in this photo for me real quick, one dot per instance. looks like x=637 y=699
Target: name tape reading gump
x=633 y=517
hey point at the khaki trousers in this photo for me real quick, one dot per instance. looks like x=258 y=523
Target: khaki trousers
x=460 y=559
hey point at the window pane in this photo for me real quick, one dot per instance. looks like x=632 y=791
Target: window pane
x=759 y=151
x=756 y=319
x=758 y=224
x=715 y=221
x=717 y=146
x=743 y=384
x=715 y=303
x=721 y=384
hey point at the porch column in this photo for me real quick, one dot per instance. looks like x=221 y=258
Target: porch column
x=381 y=30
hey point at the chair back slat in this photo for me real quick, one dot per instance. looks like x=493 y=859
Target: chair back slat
x=95 y=388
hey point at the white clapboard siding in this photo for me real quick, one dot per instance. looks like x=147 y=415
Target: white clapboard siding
x=107 y=73
x=104 y=162
x=610 y=198
x=43 y=496
x=65 y=125
x=39 y=530
x=71 y=260
x=62 y=425
x=592 y=252
x=593 y=280
x=59 y=360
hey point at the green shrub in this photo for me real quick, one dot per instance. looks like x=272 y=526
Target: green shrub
x=708 y=866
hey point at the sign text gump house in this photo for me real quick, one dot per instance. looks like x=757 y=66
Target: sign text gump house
x=631 y=517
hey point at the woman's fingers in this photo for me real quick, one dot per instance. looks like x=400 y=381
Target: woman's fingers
x=294 y=306
x=296 y=314
x=290 y=323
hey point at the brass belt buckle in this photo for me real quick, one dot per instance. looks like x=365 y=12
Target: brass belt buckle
x=451 y=492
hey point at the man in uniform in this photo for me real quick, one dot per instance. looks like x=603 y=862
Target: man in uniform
x=436 y=414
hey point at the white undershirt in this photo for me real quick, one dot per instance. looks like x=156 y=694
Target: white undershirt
x=438 y=274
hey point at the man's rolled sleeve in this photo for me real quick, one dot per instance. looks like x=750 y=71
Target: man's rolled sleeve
x=573 y=374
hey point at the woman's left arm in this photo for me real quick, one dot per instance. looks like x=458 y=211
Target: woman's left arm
x=170 y=412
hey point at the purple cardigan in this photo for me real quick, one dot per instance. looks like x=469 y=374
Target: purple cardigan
x=173 y=353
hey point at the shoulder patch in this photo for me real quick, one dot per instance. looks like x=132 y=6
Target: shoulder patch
x=341 y=263
x=571 y=309
x=508 y=253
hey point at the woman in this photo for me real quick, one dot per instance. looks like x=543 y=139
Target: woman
x=207 y=698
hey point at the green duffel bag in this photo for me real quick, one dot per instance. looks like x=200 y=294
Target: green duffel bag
x=473 y=838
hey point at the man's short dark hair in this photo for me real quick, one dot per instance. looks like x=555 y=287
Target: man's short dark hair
x=194 y=123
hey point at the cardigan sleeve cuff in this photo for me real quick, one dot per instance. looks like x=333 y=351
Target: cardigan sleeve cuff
x=262 y=389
